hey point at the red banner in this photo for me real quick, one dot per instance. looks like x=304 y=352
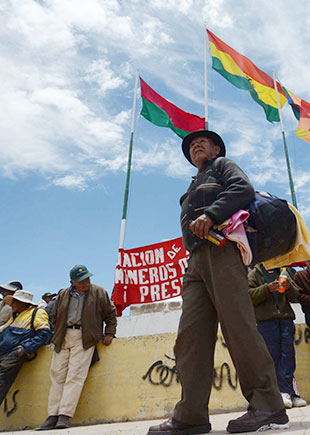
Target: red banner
x=149 y=274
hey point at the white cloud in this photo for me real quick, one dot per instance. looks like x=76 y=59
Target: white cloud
x=71 y=181
x=67 y=79
x=100 y=72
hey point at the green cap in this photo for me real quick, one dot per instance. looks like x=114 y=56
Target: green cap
x=45 y=295
x=79 y=273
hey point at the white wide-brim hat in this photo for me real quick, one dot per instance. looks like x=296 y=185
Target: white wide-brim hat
x=22 y=296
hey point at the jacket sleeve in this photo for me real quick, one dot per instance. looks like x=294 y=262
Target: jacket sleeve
x=6 y=325
x=237 y=194
x=53 y=315
x=109 y=311
x=303 y=296
x=5 y=314
x=292 y=293
x=258 y=290
x=42 y=332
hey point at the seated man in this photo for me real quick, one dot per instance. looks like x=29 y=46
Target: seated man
x=25 y=331
x=46 y=298
x=6 y=290
x=275 y=321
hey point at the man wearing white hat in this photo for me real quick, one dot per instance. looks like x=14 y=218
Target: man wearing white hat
x=6 y=290
x=25 y=331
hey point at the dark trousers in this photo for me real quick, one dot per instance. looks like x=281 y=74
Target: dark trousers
x=215 y=288
x=10 y=364
x=307 y=318
x=279 y=338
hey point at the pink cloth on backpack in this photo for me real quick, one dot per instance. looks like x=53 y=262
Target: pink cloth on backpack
x=233 y=229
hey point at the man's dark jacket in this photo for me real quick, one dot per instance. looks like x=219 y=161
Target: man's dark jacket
x=97 y=308
x=219 y=197
x=302 y=279
x=263 y=300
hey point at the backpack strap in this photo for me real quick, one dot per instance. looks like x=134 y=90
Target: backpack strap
x=34 y=312
x=269 y=277
x=216 y=172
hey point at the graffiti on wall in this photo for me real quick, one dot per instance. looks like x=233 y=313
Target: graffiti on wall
x=162 y=374
x=7 y=409
x=218 y=377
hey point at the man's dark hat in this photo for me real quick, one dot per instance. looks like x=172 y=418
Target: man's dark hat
x=205 y=133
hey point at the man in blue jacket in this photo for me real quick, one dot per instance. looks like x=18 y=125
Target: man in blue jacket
x=26 y=331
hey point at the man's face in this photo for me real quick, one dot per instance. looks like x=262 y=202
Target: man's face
x=48 y=299
x=18 y=306
x=82 y=286
x=7 y=293
x=202 y=149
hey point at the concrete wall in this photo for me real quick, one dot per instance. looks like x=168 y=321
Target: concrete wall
x=135 y=378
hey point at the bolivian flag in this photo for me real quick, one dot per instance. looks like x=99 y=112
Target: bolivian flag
x=301 y=111
x=241 y=72
x=165 y=114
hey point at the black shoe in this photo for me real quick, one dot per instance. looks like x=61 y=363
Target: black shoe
x=63 y=422
x=49 y=423
x=256 y=419
x=173 y=427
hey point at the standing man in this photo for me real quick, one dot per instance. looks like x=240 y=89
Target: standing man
x=7 y=290
x=78 y=316
x=302 y=279
x=215 y=289
x=275 y=321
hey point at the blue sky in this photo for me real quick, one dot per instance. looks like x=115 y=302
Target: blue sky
x=67 y=80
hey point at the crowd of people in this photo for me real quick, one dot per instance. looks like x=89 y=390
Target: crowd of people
x=74 y=320
x=254 y=311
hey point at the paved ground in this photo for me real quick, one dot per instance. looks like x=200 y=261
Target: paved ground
x=299 y=424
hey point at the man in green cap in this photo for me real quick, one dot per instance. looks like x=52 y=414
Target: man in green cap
x=78 y=316
x=215 y=289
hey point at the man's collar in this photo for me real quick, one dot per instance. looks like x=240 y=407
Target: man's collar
x=206 y=163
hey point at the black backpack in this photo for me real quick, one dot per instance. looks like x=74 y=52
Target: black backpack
x=271 y=227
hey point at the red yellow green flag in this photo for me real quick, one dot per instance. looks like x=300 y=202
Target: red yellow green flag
x=301 y=111
x=165 y=114
x=242 y=73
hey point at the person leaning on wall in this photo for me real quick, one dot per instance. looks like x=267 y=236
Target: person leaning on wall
x=23 y=334
x=7 y=289
x=78 y=317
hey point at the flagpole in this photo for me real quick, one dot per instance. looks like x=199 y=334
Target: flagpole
x=206 y=77
x=285 y=146
x=124 y=215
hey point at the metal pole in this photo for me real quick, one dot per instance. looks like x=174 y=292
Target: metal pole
x=206 y=77
x=285 y=147
x=124 y=215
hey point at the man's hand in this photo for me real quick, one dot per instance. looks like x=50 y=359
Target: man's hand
x=273 y=286
x=285 y=284
x=201 y=226
x=20 y=351
x=107 y=339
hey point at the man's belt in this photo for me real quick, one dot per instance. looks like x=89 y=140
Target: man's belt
x=75 y=326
